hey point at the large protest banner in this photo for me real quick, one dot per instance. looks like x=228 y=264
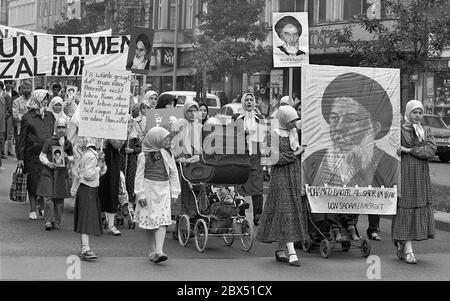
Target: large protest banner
x=45 y=55
x=351 y=126
x=9 y=32
x=290 y=39
x=104 y=104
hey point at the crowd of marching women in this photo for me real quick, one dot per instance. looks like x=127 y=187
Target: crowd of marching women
x=140 y=177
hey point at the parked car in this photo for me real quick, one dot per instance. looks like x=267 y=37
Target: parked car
x=441 y=134
x=212 y=101
x=228 y=110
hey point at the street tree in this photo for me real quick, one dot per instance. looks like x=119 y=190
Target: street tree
x=229 y=39
x=88 y=23
x=420 y=31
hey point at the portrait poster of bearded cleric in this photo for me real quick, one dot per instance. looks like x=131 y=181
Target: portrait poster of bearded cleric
x=351 y=126
x=290 y=39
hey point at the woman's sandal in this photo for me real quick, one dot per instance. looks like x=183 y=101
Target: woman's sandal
x=400 y=250
x=281 y=258
x=410 y=258
x=294 y=263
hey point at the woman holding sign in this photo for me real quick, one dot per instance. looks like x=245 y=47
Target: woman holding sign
x=284 y=219
x=414 y=219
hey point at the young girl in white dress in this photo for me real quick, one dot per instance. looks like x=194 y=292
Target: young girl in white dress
x=156 y=184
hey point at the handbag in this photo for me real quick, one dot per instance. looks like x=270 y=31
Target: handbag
x=18 y=191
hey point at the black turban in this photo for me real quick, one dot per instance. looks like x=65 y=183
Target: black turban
x=368 y=92
x=285 y=21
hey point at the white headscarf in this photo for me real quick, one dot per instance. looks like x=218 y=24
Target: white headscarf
x=285 y=115
x=250 y=124
x=55 y=100
x=411 y=106
x=146 y=100
x=190 y=131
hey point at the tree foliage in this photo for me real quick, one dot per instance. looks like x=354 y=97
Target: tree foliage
x=415 y=36
x=228 y=36
x=87 y=24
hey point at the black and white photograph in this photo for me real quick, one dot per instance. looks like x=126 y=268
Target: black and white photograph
x=224 y=147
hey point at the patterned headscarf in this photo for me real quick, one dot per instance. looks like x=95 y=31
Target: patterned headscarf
x=153 y=139
x=36 y=101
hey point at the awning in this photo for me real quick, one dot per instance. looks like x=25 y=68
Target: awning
x=168 y=71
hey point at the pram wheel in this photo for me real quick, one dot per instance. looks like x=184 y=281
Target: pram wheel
x=325 y=248
x=183 y=230
x=228 y=239
x=346 y=246
x=365 y=247
x=246 y=235
x=201 y=234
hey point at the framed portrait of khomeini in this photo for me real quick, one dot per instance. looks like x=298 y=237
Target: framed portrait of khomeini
x=140 y=50
x=58 y=156
x=351 y=126
x=290 y=39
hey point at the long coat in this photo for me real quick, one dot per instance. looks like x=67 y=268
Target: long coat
x=33 y=133
x=110 y=181
x=54 y=183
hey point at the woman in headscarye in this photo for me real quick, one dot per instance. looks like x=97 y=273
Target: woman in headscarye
x=37 y=126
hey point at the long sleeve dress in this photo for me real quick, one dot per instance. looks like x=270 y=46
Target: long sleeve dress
x=284 y=218
x=415 y=219
x=157 y=182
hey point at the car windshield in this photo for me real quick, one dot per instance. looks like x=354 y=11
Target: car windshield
x=434 y=121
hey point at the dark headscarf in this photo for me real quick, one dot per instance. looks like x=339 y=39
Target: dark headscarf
x=164 y=100
x=202 y=104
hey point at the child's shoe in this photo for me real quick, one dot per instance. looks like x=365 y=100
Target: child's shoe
x=88 y=255
x=32 y=216
x=48 y=226
x=56 y=226
x=114 y=231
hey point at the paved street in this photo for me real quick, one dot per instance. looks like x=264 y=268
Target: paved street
x=28 y=252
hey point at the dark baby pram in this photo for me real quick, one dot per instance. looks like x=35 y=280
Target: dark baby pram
x=223 y=163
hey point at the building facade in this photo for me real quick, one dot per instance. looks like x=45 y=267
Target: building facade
x=4 y=12
x=22 y=14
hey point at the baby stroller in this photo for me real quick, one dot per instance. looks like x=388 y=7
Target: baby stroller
x=322 y=234
x=213 y=175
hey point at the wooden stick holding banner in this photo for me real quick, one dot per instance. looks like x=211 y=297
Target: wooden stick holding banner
x=291 y=81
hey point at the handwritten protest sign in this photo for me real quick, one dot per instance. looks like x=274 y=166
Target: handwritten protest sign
x=104 y=104
x=352 y=200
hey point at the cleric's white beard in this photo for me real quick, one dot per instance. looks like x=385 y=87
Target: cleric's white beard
x=138 y=62
x=358 y=158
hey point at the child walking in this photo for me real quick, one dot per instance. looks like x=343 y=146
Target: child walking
x=54 y=183
x=87 y=217
x=156 y=184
